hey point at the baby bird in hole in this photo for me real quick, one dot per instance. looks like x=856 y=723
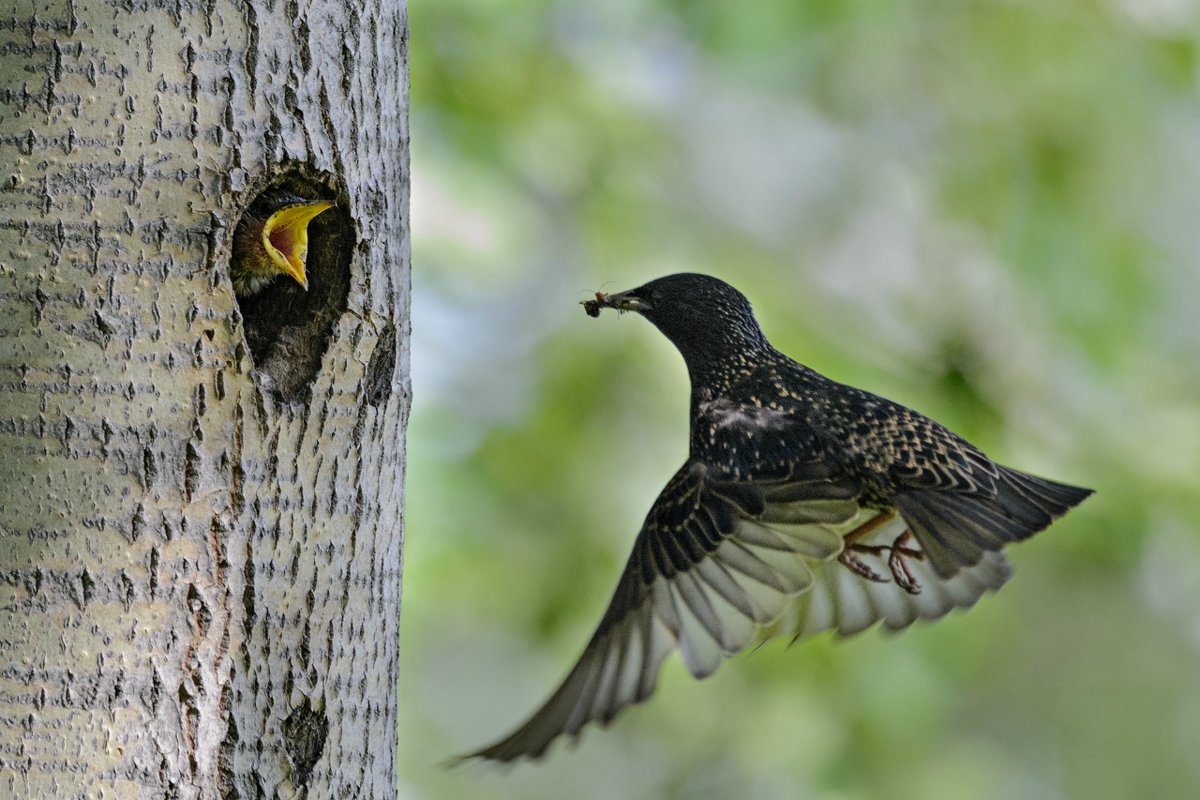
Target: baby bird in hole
x=272 y=240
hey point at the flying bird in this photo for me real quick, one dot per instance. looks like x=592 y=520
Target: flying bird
x=804 y=505
x=272 y=240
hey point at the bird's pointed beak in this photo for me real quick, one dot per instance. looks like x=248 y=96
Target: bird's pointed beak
x=621 y=301
x=285 y=238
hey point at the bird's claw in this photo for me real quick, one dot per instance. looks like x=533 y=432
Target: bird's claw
x=855 y=564
x=897 y=553
x=899 y=567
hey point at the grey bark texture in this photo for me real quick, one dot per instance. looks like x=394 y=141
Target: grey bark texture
x=201 y=498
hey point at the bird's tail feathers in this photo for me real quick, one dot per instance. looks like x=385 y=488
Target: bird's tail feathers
x=956 y=529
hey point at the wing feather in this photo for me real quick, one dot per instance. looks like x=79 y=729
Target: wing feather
x=720 y=564
x=713 y=563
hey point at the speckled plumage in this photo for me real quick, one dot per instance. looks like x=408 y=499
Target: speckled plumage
x=804 y=505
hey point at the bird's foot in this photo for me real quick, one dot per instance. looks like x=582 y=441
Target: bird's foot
x=897 y=552
x=899 y=567
x=855 y=564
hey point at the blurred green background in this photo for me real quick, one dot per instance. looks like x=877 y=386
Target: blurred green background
x=989 y=211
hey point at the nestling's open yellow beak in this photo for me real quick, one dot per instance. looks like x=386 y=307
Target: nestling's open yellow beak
x=285 y=238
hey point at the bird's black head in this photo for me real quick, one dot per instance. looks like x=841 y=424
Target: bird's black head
x=709 y=321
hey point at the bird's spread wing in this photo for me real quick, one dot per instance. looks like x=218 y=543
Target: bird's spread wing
x=720 y=565
x=714 y=561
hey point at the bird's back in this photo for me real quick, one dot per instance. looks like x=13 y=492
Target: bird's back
x=781 y=412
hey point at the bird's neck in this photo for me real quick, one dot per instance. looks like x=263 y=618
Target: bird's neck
x=719 y=352
x=714 y=371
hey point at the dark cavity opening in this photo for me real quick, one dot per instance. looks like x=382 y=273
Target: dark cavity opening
x=287 y=328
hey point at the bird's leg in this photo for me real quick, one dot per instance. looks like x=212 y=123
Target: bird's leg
x=851 y=546
x=896 y=551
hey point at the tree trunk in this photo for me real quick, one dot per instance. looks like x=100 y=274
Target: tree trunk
x=200 y=495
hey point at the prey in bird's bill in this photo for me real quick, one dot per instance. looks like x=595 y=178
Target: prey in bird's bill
x=592 y=307
x=804 y=505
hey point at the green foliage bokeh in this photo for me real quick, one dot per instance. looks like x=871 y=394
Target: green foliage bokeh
x=989 y=211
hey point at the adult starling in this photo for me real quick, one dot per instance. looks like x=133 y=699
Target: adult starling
x=804 y=505
x=272 y=240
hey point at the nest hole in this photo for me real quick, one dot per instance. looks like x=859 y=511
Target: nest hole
x=287 y=328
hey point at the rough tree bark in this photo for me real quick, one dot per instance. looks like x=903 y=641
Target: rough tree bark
x=200 y=498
